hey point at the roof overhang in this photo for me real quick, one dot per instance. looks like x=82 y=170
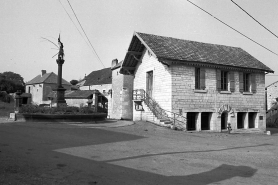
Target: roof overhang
x=170 y=62
x=134 y=54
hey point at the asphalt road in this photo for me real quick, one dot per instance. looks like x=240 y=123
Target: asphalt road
x=58 y=153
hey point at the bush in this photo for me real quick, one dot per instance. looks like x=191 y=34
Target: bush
x=4 y=97
x=35 y=109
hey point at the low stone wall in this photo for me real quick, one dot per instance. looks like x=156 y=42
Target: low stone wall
x=61 y=117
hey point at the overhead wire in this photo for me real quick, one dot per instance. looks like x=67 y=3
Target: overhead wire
x=83 y=31
x=73 y=22
x=254 y=19
x=232 y=28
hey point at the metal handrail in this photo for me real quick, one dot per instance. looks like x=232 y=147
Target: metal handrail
x=140 y=94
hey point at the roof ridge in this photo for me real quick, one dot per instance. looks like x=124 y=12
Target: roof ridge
x=188 y=40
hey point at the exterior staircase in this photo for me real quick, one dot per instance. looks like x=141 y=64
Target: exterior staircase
x=161 y=117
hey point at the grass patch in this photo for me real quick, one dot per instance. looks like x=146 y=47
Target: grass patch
x=6 y=109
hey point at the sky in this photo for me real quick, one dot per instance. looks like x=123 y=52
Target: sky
x=110 y=25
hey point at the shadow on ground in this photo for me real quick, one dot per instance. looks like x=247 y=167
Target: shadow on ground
x=223 y=172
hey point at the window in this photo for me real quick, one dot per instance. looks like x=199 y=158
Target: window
x=197 y=78
x=246 y=82
x=200 y=78
x=224 y=80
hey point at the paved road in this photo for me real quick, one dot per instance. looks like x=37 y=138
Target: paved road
x=58 y=153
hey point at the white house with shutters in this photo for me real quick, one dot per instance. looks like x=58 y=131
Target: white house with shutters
x=195 y=86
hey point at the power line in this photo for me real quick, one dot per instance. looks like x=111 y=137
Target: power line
x=73 y=22
x=233 y=28
x=85 y=34
x=254 y=19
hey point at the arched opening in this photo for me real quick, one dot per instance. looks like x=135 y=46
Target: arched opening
x=224 y=120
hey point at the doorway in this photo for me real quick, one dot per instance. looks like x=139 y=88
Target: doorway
x=205 y=120
x=191 y=121
x=149 y=88
x=251 y=119
x=240 y=119
x=224 y=120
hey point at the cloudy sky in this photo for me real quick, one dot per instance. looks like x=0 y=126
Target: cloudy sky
x=110 y=24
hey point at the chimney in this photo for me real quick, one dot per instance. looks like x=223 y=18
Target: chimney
x=114 y=63
x=43 y=72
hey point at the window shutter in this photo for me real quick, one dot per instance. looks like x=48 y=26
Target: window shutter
x=253 y=83
x=218 y=80
x=202 y=78
x=232 y=81
x=240 y=82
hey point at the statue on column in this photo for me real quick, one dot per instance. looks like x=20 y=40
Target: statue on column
x=61 y=49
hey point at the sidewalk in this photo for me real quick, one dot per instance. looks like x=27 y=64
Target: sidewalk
x=105 y=123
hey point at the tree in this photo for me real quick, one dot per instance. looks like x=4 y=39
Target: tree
x=14 y=77
x=74 y=82
x=11 y=82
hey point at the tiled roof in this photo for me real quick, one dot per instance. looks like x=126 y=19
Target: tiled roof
x=79 y=94
x=167 y=48
x=50 y=78
x=103 y=76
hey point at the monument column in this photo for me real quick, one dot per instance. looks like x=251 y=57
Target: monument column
x=61 y=102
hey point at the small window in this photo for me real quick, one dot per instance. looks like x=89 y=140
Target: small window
x=224 y=80
x=200 y=79
x=246 y=82
x=197 y=78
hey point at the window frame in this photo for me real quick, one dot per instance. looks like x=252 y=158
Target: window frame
x=198 y=78
x=246 y=82
x=224 y=82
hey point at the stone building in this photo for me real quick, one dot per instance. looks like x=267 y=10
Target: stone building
x=271 y=95
x=204 y=86
x=122 y=86
x=42 y=85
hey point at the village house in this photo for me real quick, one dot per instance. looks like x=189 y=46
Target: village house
x=42 y=85
x=205 y=86
x=100 y=80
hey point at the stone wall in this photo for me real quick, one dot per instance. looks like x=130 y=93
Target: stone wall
x=117 y=86
x=77 y=102
x=186 y=98
x=161 y=83
x=122 y=88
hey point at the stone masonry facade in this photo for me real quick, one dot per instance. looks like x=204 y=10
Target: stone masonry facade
x=122 y=87
x=162 y=84
x=174 y=90
x=186 y=98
